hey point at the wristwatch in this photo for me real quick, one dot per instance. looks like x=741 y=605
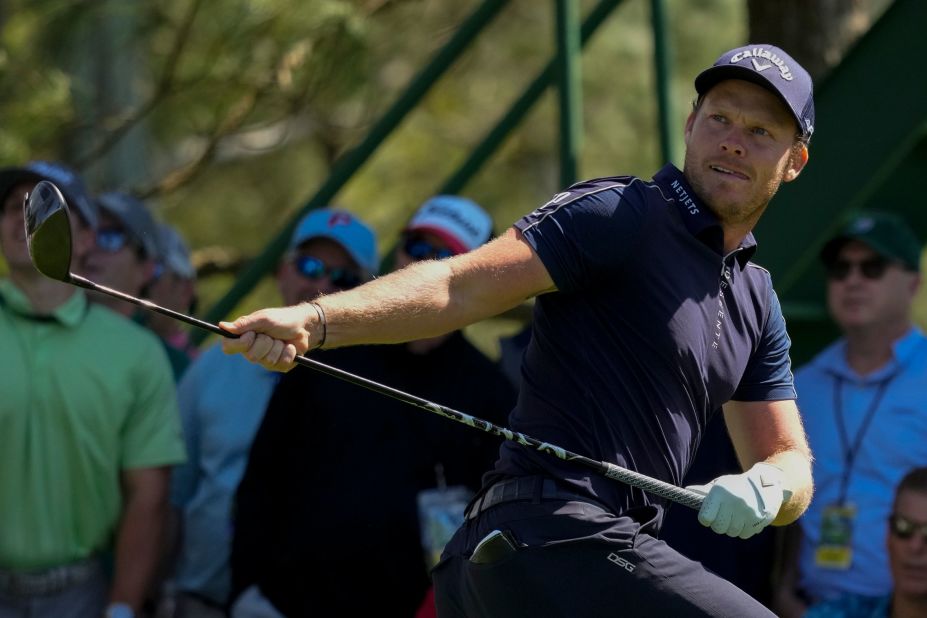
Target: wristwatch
x=119 y=610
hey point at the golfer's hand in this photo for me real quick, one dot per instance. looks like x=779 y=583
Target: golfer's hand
x=272 y=337
x=741 y=505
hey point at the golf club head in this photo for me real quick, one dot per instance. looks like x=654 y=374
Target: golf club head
x=48 y=231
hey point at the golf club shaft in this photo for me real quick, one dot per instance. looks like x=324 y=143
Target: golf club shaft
x=651 y=485
x=635 y=479
x=96 y=287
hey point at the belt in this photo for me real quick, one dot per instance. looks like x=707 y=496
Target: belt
x=526 y=489
x=49 y=581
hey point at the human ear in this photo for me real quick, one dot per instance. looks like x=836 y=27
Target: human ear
x=798 y=159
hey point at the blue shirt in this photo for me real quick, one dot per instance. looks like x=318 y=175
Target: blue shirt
x=651 y=330
x=222 y=401
x=894 y=443
x=852 y=606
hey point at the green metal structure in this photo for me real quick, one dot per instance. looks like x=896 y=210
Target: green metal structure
x=570 y=38
x=869 y=149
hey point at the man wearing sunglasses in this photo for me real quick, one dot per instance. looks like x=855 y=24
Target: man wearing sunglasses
x=343 y=473
x=223 y=399
x=126 y=255
x=125 y=251
x=864 y=411
x=906 y=544
x=88 y=416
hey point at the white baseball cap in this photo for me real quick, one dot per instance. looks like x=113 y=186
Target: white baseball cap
x=459 y=222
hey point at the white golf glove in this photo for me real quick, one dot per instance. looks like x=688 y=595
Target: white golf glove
x=741 y=505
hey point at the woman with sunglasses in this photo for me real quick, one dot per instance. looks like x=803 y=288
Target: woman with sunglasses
x=864 y=410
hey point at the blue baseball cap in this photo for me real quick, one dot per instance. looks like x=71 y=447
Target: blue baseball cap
x=770 y=67
x=357 y=238
x=67 y=180
x=135 y=217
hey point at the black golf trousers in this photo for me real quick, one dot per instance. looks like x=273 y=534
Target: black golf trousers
x=573 y=559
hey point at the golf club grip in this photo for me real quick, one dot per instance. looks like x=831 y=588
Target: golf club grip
x=651 y=485
x=96 y=287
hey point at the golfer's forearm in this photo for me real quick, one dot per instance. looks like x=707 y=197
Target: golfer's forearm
x=796 y=464
x=424 y=300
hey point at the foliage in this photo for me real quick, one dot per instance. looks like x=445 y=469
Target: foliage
x=228 y=114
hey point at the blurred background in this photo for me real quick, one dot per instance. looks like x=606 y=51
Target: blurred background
x=229 y=115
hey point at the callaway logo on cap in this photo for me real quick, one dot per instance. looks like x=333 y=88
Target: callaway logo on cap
x=769 y=67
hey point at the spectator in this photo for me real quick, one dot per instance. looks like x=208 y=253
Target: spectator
x=222 y=401
x=863 y=407
x=126 y=250
x=336 y=471
x=173 y=286
x=906 y=544
x=89 y=419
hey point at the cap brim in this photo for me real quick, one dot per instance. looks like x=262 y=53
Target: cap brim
x=710 y=77
x=832 y=248
x=452 y=242
x=358 y=259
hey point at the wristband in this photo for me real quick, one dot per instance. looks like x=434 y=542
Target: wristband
x=323 y=322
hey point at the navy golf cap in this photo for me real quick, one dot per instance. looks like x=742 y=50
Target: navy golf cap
x=67 y=180
x=772 y=68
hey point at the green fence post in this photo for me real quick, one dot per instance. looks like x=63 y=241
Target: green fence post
x=569 y=56
x=516 y=113
x=662 y=55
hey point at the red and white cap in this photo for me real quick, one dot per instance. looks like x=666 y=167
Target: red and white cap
x=461 y=223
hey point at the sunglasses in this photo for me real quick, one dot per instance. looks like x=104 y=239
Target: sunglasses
x=873 y=268
x=420 y=249
x=905 y=528
x=314 y=269
x=111 y=239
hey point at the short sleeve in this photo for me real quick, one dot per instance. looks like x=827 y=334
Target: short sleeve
x=768 y=376
x=584 y=235
x=151 y=433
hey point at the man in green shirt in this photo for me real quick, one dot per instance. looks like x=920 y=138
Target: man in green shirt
x=89 y=425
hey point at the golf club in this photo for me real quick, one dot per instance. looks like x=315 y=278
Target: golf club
x=48 y=234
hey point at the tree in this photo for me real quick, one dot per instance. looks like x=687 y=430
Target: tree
x=817 y=33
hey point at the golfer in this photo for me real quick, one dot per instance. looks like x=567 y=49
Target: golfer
x=649 y=318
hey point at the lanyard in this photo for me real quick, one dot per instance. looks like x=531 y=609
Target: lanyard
x=850 y=451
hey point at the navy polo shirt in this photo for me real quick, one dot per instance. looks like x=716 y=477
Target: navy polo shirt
x=651 y=330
